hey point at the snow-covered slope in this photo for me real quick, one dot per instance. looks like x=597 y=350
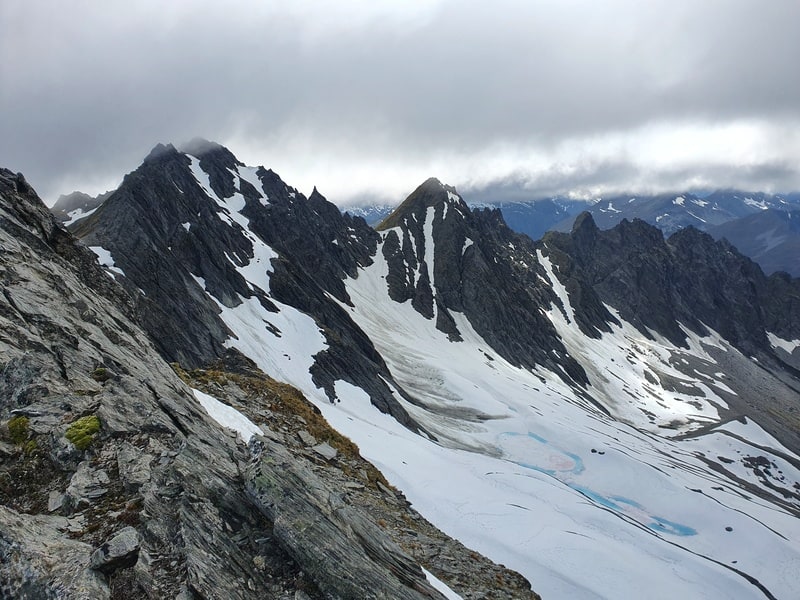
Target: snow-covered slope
x=584 y=504
x=601 y=461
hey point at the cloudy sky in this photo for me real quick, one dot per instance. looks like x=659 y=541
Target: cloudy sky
x=367 y=99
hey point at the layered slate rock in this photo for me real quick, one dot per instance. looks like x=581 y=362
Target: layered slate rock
x=367 y=563
x=119 y=552
x=63 y=330
x=181 y=247
x=446 y=258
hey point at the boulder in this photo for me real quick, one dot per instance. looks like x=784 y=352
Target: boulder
x=119 y=552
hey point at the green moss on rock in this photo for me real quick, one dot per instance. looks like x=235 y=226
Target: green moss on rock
x=18 y=429
x=81 y=432
x=101 y=375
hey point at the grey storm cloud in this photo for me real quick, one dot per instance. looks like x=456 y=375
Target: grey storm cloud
x=362 y=97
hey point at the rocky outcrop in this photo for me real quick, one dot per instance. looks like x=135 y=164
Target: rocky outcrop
x=119 y=552
x=346 y=554
x=37 y=560
x=660 y=285
x=476 y=266
x=68 y=351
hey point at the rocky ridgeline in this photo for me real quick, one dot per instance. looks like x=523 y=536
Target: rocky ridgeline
x=689 y=280
x=660 y=284
x=300 y=450
x=165 y=231
x=115 y=483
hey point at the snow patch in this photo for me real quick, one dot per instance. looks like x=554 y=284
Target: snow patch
x=760 y=204
x=105 y=259
x=282 y=344
x=679 y=201
x=787 y=345
x=227 y=416
x=696 y=217
x=440 y=586
x=626 y=370
x=539 y=479
x=78 y=214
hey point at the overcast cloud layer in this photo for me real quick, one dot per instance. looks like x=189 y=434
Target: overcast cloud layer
x=369 y=98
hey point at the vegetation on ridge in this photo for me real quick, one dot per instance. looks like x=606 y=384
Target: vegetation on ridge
x=81 y=432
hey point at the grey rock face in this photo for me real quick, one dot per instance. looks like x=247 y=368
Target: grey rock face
x=314 y=523
x=38 y=561
x=86 y=486
x=164 y=231
x=134 y=466
x=120 y=552
x=478 y=267
x=61 y=316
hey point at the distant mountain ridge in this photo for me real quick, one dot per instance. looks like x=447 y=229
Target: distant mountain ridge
x=771 y=237
x=717 y=212
x=77 y=205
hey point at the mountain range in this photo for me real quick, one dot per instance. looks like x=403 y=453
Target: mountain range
x=609 y=412
x=769 y=239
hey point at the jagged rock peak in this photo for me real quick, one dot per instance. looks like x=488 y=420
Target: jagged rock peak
x=209 y=152
x=159 y=151
x=431 y=193
x=584 y=222
x=68 y=202
x=23 y=206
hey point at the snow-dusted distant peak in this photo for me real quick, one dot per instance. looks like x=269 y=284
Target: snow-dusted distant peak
x=788 y=346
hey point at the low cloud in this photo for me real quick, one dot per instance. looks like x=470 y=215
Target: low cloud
x=367 y=99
